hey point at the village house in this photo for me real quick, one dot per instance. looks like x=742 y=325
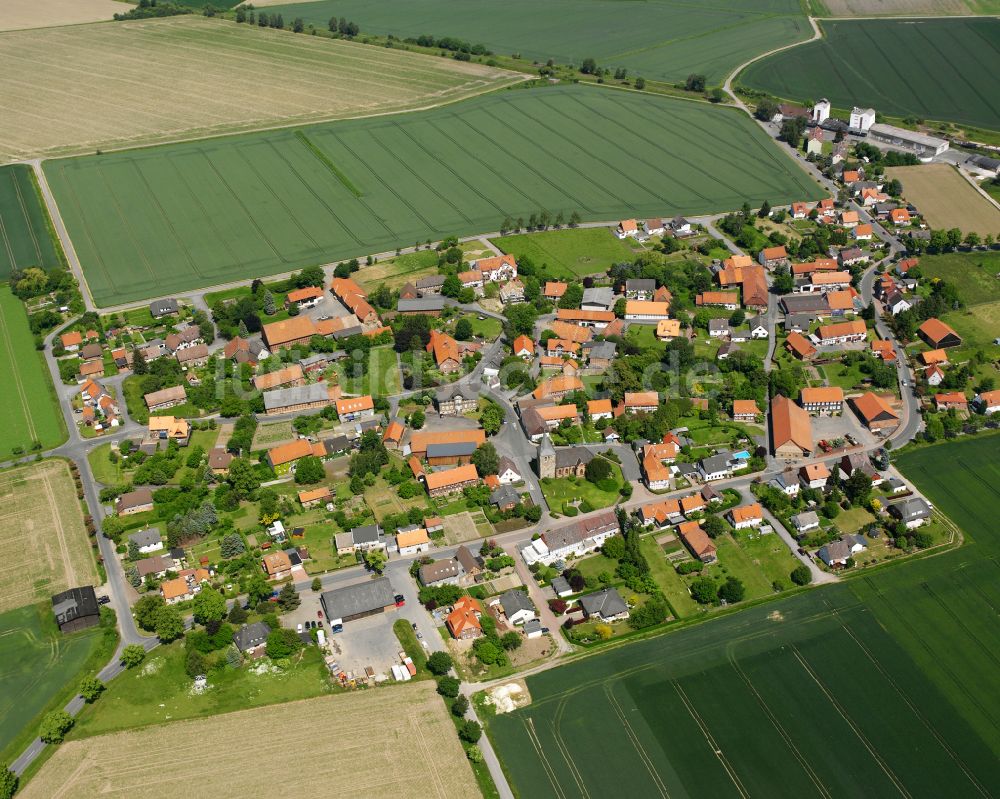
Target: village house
x=299 y=398
x=456 y=401
x=842 y=333
x=185 y=586
x=791 y=430
x=165 y=398
x=822 y=400
x=773 y=257
x=745 y=411
x=147 y=540
x=463 y=621
x=913 y=512
x=729 y=300
x=654 y=458
x=641 y=401
x=308 y=297
x=668 y=329
x=572 y=541
x=312 y=497
x=284 y=457
x=814 y=475
x=800 y=346
x=746 y=516
x=137 y=501
x=448 y=481
x=554 y=290
x=627 y=228
x=291 y=375
x=697 y=541
x=640 y=288
x=951 y=400
x=588 y=318
x=660 y=514
x=606 y=605
x=516 y=606
x=555 y=388
x=350 y=409
x=837 y=553
x=646 y=310
x=412 y=540
x=170 y=428
x=524 y=348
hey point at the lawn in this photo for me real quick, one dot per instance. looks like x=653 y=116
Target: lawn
x=189 y=53
x=41 y=669
x=33 y=413
x=666 y=576
x=950 y=81
x=102 y=469
x=644 y=337
x=368 y=185
x=24 y=226
x=663 y=40
x=974 y=274
x=399 y=270
x=159 y=690
x=559 y=491
x=570 y=253
x=381 y=379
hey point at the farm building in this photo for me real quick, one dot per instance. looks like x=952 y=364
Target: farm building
x=76 y=609
x=791 y=431
x=358 y=601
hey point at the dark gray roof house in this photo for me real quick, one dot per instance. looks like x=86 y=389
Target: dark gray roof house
x=441 y=571
x=430 y=282
x=160 y=308
x=456 y=450
x=369 y=534
x=911 y=510
x=640 y=284
x=430 y=304
x=718 y=326
x=504 y=497
x=514 y=600
x=799 y=322
x=607 y=604
x=336 y=444
x=146 y=538
x=76 y=609
x=357 y=601
x=251 y=636
x=812 y=303
x=347 y=332
x=601 y=350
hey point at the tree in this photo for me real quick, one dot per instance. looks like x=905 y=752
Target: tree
x=269 y=306
x=714 y=526
x=317 y=584
x=704 y=591
x=256 y=587
x=232 y=545
x=766 y=110
x=597 y=470
x=695 y=83
x=449 y=687
x=242 y=478
x=90 y=689
x=614 y=547
x=169 y=624
x=208 y=605
x=288 y=598
x=511 y=640
x=375 y=559
x=589 y=66
x=146 y=610
x=463 y=329
x=732 y=590
x=195 y=664
x=237 y=615
x=492 y=418
x=792 y=130
x=8 y=782
x=55 y=725
x=801 y=575
x=439 y=663
x=309 y=470
x=640 y=83
x=858 y=488
x=486 y=459
x=470 y=731
x=460 y=706
x=133 y=655
x=417 y=419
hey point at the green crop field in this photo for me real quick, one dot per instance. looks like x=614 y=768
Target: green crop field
x=36 y=663
x=32 y=410
x=24 y=234
x=872 y=62
x=895 y=673
x=184 y=216
x=662 y=40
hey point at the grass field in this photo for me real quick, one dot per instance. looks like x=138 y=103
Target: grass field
x=569 y=253
x=391 y=181
x=397 y=271
x=44 y=543
x=899 y=667
x=663 y=40
x=973 y=274
x=358 y=756
x=75 y=91
x=860 y=63
x=381 y=378
x=946 y=199
x=36 y=664
x=24 y=234
x=31 y=409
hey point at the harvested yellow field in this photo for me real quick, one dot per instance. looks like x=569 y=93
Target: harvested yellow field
x=395 y=742
x=946 y=199
x=75 y=90
x=43 y=543
x=22 y=14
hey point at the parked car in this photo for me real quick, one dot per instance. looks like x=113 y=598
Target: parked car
x=104 y=599
x=319 y=614
x=298 y=628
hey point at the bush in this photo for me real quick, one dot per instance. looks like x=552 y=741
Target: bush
x=689 y=567
x=439 y=663
x=282 y=642
x=448 y=686
x=9 y=780
x=801 y=575
x=704 y=591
